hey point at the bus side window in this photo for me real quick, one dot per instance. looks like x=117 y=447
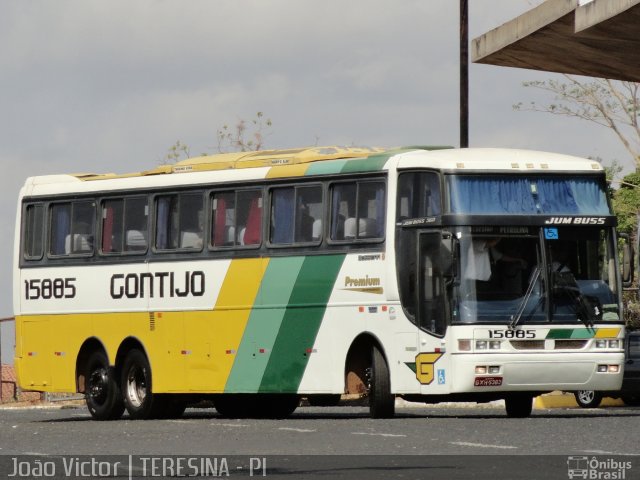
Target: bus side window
x=282 y=215
x=249 y=217
x=308 y=214
x=136 y=224
x=179 y=222
x=32 y=247
x=357 y=210
x=343 y=208
x=223 y=220
x=294 y=210
x=112 y=213
x=71 y=228
x=418 y=195
x=124 y=225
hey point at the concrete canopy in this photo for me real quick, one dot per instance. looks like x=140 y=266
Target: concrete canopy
x=598 y=38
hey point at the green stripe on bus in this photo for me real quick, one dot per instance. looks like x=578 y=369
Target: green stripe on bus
x=371 y=163
x=263 y=325
x=572 y=333
x=301 y=323
x=325 y=168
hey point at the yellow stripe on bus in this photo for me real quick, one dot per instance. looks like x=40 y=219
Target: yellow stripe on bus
x=220 y=332
x=288 y=171
x=607 y=333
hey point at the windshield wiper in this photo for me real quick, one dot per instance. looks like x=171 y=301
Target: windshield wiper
x=523 y=304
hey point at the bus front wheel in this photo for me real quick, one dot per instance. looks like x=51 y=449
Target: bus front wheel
x=381 y=400
x=102 y=393
x=136 y=386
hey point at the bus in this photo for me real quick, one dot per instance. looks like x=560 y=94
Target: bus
x=252 y=280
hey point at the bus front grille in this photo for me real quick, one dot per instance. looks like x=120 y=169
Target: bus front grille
x=527 y=344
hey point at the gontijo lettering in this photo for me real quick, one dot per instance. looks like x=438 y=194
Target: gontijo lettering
x=161 y=284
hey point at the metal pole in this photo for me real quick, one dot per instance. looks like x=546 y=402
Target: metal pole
x=464 y=73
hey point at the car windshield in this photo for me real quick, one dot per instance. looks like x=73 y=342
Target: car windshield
x=528 y=274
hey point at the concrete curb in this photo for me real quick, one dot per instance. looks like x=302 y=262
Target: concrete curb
x=568 y=400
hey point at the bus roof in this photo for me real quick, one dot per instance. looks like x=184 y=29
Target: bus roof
x=243 y=166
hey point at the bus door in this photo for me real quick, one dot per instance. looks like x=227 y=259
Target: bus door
x=433 y=275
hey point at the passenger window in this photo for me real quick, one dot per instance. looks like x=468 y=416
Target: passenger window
x=125 y=225
x=357 y=211
x=418 y=195
x=179 y=222
x=296 y=215
x=34 y=228
x=71 y=228
x=236 y=218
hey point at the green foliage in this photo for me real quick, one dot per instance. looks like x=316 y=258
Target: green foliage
x=176 y=152
x=626 y=202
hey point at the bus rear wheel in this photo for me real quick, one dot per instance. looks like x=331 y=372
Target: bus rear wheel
x=136 y=387
x=102 y=393
x=381 y=400
x=518 y=406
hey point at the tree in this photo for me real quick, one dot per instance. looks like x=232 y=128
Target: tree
x=609 y=103
x=245 y=136
x=175 y=152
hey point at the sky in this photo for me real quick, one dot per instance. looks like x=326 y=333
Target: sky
x=108 y=86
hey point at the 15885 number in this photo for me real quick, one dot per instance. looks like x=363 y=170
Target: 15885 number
x=47 y=288
x=512 y=334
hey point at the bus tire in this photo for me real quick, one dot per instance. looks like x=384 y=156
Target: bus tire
x=381 y=400
x=233 y=405
x=136 y=387
x=518 y=406
x=276 y=405
x=102 y=393
x=588 y=398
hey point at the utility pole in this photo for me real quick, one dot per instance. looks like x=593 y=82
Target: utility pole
x=464 y=73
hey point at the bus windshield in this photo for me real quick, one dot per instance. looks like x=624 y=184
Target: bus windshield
x=533 y=275
x=517 y=194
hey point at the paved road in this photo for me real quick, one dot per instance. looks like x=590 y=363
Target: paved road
x=458 y=432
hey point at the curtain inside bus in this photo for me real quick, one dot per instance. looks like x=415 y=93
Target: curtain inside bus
x=474 y=194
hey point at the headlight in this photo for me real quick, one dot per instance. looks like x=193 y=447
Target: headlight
x=601 y=344
x=614 y=343
x=481 y=344
x=494 y=344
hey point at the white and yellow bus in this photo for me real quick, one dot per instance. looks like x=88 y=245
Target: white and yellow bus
x=254 y=279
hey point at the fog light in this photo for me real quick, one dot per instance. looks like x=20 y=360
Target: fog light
x=493 y=369
x=602 y=368
x=481 y=344
x=614 y=343
x=601 y=344
x=614 y=368
x=481 y=369
x=494 y=345
x=464 y=345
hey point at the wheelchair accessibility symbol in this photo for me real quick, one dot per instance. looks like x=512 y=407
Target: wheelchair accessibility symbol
x=441 y=378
